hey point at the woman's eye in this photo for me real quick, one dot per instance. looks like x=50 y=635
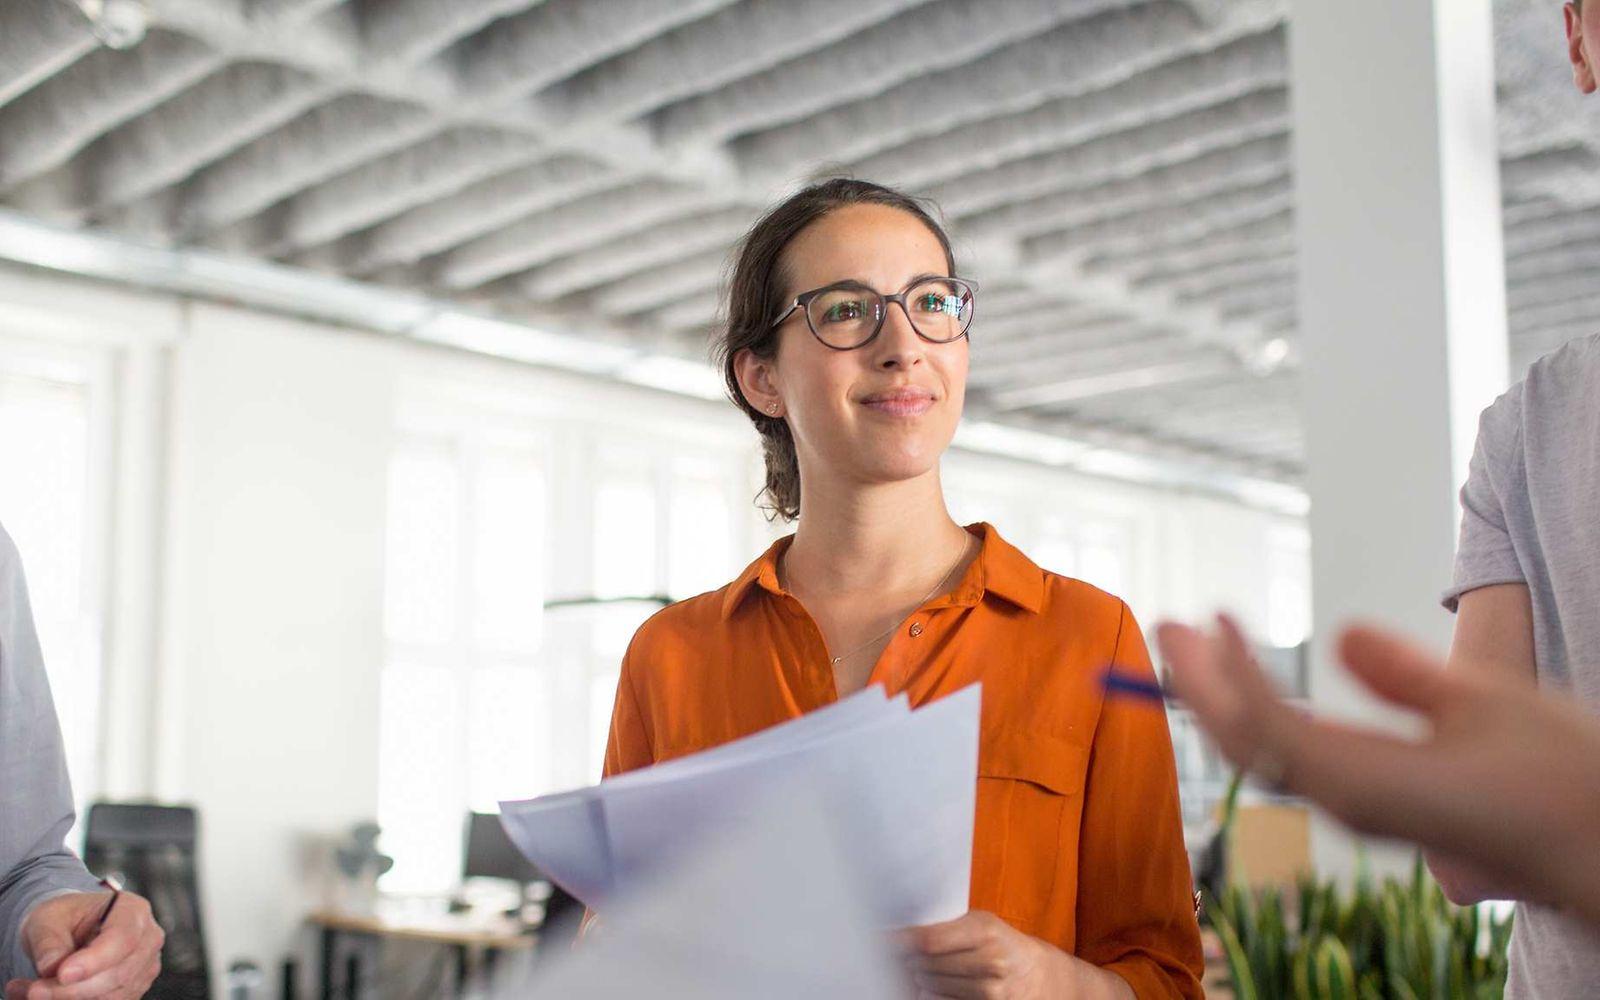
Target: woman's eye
x=931 y=303
x=843 y=312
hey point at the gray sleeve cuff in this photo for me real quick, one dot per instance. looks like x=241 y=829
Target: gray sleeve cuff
x=1452 y=597
x=40 y=880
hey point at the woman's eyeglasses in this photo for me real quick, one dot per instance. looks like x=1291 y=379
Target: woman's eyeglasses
x=849 y=314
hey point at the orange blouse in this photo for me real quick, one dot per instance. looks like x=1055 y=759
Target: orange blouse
x=1079 y=837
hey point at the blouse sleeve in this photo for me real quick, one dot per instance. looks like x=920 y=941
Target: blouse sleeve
x=1136 y=914
x=628 y=747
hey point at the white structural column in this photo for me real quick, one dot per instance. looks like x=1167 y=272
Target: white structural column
x=1402 y=309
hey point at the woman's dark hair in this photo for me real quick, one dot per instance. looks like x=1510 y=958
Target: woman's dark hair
x=756 y=298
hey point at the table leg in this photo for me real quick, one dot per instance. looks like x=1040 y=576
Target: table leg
x=329 y=940
x=491 y=958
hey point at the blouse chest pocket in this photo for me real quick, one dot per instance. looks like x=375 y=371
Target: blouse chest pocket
x=1029 y=786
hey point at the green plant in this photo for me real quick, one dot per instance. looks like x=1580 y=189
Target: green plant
x=1401 y=940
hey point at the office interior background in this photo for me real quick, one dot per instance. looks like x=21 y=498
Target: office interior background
x=353 y=357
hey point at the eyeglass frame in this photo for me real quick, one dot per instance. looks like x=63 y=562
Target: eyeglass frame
x=803 y=300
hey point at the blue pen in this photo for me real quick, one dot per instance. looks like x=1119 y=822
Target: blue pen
x=1139 y=688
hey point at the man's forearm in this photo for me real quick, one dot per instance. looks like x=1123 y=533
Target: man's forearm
x=25 y=887
x=1464 y=884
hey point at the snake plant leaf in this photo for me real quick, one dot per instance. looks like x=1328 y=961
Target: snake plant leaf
x=1244 y=983
x=1336 y=980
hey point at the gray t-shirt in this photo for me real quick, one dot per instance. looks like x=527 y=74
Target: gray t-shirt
x=1531 y=514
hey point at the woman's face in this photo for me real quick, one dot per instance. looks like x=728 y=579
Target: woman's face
x=887 y=411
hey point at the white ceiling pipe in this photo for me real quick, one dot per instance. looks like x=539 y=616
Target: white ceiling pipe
x=1252 y=163
x=1552 y=289
x=1277 y=281
x=1558 y=260
x=319 y=144
x=699 y=273
x=1119 y=155
x=1165 y=226
x=637 y=251
x=1001 y=364
x=40 y=47
x=915 y=149
x=400 y=33
x=384 y=188
x=46 y=126
x=1269 y=298
x=523 y=54
x=1221 y=256
x=200 y=125
x=697 y=310
x=727 y=46
x=568 y=227
x=1077 y=389
x=476 y=211
x=1242 y=237
x=1042 y=364
x=1563 y=229
x=290 y=10
x=950 y=33
x=246 y=102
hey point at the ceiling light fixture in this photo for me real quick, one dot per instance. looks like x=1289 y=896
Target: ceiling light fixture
x=119 y=24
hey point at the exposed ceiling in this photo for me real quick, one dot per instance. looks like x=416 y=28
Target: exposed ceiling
x=1116 y=172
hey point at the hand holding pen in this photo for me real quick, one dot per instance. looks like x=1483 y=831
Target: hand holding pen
x=90 y=946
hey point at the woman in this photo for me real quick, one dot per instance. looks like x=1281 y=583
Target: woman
x=846 y=346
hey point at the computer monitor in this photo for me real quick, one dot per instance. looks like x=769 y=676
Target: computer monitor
x=491 y=854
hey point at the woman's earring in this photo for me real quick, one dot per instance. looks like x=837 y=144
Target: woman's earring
x=772 y=408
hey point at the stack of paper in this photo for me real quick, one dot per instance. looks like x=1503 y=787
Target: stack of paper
x=725 y=923
x=899 y=787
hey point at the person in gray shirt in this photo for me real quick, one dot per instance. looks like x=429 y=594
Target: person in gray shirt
x=1527 y=598
x=61 y=935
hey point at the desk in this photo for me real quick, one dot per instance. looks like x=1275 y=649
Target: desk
x=466 y=933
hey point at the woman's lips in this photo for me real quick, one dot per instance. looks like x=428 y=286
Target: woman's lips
x=900 y=404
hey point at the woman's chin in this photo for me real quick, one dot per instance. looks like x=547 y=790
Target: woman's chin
x=894 y=466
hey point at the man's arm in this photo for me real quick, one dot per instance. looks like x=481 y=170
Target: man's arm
x=35 y=797
x=1493 y=638
x=1506 y=776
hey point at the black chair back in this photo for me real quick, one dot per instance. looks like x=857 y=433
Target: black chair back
x=150 y=850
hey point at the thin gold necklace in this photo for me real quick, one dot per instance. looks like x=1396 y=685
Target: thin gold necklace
x=936 y=588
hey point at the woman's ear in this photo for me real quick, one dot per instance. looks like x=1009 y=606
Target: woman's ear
x=758 y=382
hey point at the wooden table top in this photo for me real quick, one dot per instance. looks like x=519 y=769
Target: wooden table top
x=462 y=929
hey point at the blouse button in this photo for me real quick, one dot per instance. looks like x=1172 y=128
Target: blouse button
x=916 y=629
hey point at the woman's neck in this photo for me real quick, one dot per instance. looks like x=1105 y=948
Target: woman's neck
x=873 y=540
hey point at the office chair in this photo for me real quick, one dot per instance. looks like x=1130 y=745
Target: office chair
x=150 y=850
x=491 y=854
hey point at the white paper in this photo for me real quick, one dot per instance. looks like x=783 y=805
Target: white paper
x=565 y=835
x=903 y=786
x=728 y=924
x=865 y=707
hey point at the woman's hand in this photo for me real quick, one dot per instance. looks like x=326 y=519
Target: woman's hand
x=982 y=957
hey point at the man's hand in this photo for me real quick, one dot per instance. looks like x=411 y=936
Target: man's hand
x=1505 y=778
x=78 y=959
x=981 y=956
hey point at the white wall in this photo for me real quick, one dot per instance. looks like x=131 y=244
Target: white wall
x=279 y=440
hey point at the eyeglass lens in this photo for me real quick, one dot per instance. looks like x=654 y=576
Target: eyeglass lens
x=940 y=311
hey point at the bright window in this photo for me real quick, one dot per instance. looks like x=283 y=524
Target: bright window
x=1288 y=586
x=487 y=694
x=465 y=707
x=46 y=505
